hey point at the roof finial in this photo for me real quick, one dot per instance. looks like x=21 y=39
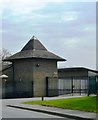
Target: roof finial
x=34 y=38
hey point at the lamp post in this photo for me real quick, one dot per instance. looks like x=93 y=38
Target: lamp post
x=3 y=83
x=3 y=76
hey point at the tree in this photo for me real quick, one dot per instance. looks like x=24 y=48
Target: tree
x=4 y=53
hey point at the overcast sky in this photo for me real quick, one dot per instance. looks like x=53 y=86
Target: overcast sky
x=67 y=29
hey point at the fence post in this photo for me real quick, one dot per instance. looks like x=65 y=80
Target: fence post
x=97 y=86
x=88 y=92
x=47 y=92
x=72 y=85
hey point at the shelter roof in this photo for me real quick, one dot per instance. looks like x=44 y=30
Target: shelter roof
x=34 y=49
x=76 y=69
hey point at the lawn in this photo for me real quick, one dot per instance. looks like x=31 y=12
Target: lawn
x=82 y=103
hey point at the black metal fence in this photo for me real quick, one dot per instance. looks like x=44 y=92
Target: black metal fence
x=72 y=85
x=17 y=89
x=53 y=86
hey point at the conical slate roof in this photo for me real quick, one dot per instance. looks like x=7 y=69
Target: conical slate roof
x=34 y=44
x=34 y=49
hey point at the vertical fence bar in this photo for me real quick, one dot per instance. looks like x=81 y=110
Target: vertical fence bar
x=32 y=90
x=80 y=87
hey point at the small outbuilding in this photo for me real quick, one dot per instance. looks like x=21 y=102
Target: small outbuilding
x=29 y=70
x=77 y=80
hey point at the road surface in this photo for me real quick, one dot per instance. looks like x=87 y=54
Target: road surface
x=9 y=112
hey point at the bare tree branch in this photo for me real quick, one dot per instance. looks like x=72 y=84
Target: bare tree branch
x=3 y=54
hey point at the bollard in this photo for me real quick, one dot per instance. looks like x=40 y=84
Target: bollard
x=42 y=98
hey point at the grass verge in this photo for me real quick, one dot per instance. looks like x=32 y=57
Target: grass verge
x=87 y=104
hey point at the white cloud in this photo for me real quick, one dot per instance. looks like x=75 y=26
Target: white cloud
x=87 y=29
x=90 y=28
x=21 y=6
x=18 y=7
x=69 y=16
x=72 y=42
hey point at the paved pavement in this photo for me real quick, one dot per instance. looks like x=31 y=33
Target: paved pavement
x=73 y=114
